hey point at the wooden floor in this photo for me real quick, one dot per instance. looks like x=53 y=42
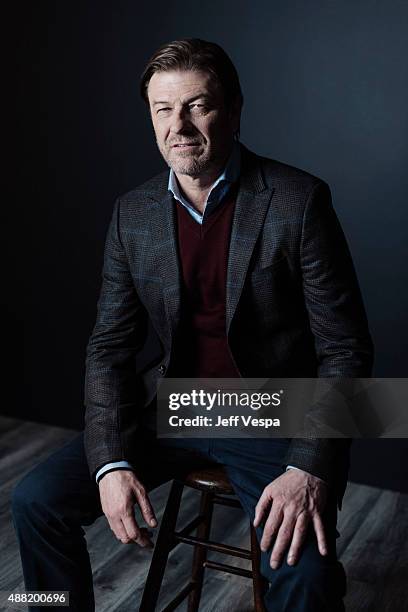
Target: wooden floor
x=373 y=545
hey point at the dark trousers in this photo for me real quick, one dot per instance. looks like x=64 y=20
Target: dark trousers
x=58 y=497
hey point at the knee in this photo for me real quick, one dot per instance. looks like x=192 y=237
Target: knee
x=307 y=574
x=28 y=496
x=318 y=581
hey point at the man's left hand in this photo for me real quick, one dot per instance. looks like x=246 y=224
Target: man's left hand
x=287 y=506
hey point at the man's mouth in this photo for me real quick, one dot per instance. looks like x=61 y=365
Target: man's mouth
x=185 y=145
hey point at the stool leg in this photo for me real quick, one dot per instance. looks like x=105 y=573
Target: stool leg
x=200 y=553
x=162 y=549
x=260 y=584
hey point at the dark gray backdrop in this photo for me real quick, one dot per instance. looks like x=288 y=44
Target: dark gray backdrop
x=326 y=89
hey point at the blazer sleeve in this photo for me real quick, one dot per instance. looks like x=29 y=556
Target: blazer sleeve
x=337 y=319
x=119 y=334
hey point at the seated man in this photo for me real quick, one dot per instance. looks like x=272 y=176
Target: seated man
x=240 y=266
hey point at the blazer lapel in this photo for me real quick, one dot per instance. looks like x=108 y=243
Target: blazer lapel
x=163 y=225
x=250 y=209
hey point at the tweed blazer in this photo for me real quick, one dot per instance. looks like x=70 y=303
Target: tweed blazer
x=293 y=305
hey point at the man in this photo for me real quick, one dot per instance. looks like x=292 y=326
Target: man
x=239 y=265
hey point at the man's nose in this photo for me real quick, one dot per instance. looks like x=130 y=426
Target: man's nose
x=180 y=121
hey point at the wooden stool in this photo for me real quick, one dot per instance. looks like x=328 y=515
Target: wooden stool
x=214 y=484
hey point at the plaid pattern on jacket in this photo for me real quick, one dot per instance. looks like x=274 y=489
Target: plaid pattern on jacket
x=293 y=306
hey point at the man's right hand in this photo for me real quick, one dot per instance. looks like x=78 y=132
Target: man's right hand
x=119 y=492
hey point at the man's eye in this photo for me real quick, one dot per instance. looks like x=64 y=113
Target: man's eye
x=164 y=109
x=198 y=107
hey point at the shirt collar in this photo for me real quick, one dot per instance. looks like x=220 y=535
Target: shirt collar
x=219 y=188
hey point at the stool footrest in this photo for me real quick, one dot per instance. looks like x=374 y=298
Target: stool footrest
x=186 y=530
x=229 y=569
x=176 y=601
x=221 y=548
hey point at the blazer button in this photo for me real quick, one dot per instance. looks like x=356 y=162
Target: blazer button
x=162 y=369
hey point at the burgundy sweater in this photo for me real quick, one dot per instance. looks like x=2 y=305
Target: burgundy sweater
x=201 y=348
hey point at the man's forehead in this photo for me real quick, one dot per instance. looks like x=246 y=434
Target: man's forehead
x=180 y=84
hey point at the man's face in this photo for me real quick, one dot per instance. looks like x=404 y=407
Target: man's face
x=193 y=127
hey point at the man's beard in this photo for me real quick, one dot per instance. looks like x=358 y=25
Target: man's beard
x=191 y=164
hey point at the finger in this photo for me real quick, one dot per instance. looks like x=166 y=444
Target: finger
x=271 y=528
x=145 y=506
x=320 y=534
x=261 y=507
x=119 y=530
x=134 y=533
x=145 y=537
x=282 y=542
x=299 y=536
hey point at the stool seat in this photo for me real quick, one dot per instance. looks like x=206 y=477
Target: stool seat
x=212 y=479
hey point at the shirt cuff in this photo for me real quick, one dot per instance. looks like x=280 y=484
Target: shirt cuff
x=293 y=467
x=110 y=467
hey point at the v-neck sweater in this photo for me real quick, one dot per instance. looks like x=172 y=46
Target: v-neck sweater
x=201 y=347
